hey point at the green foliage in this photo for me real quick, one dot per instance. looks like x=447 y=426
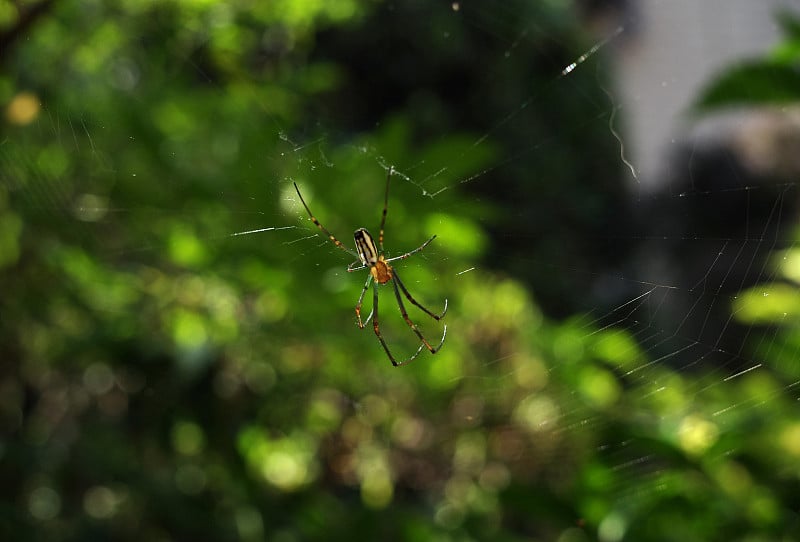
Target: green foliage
x=755 y=82
x=765 y=81
x=168 y=376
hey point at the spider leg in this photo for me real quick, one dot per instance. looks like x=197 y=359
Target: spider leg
x=412 y=325
x=376 y=326
x=356 y=266
x=377 y=329
x=407 y=254
x=360 y=302
x=322 y=228
x=412 y=358
x=415 y=302
x=385 y=206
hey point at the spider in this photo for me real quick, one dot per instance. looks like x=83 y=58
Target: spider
x=372 y=257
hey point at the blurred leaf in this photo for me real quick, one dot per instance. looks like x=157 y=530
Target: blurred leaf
x=776 y=303
x=769 y=81
x=753 y=83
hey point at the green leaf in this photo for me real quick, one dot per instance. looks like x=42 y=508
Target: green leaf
x=752 y=83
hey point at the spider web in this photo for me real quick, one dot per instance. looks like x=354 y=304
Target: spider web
x=668 y=315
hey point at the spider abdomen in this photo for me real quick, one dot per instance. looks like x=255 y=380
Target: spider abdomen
x=365 y=245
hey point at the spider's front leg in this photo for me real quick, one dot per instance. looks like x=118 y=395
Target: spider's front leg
x=363 y=324
x=375 y=325
x=356 y=266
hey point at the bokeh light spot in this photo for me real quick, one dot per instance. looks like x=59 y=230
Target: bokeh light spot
x=249 y=523
x=90 y=207
x=536 y=413
x=188 y=438
x=98 y=378
x=100 y=502
x=190 y=479
x=790 y=439
x=612 y=528
x=44 y=503
x=696 y=435
x=23 y=108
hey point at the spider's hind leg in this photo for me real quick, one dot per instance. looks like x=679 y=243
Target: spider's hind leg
x=436 y=317
x=411 y=324
x=412 y=358
x=377 y=329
